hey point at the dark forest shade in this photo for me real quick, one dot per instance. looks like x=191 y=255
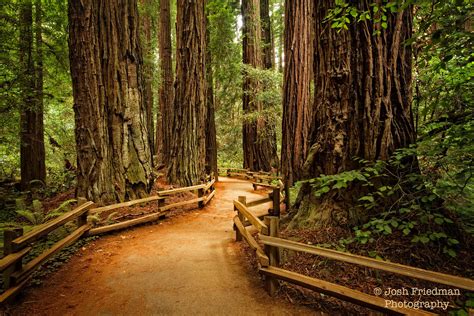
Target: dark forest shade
x=296 y=88
x=362 y=103
x=188 y=138
x=113 y=153
x=259 y=145
x=165 y=115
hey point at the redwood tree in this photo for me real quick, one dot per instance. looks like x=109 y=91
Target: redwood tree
x=211 y=141
x=296 y=88
x=259 y=146
x=188 y=139
x=113 y=153
x=146 y=24
x=362 y=105
x=165 y=115
x=32 y=151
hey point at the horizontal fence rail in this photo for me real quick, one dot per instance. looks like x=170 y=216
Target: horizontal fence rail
x=269 y=260
x=18 y=245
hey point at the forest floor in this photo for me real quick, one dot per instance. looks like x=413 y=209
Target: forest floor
x=186 y=264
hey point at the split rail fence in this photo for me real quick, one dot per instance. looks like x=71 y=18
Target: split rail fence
x=17 y=245
x=268 y=255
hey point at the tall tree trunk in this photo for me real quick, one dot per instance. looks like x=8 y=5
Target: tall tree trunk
x=211 y=142
x=362 y=105
x=165 y=115
x=113 y=153
x=259 y=147
x=267 y=35
x=296 y=88
x=188 y=140
x=148 y=70
x=32 y=152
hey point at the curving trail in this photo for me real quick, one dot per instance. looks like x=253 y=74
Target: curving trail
x=186 y=265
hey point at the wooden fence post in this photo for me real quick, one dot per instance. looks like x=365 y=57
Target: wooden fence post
x=82 y=220
x=8 y=237
x=238 y=235
x=201 y=194
x=273 y=253
x=275 y=196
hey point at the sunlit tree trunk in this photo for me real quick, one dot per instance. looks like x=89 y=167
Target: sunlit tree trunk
x=362 y=106
x=188 y=139
x=113 y=153
x=296 y=88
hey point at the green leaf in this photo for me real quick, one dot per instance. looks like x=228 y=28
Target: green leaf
x=368 y=198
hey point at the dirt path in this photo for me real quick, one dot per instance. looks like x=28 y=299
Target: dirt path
x=186 y=265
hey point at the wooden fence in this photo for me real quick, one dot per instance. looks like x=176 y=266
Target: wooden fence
x=17 y=245
x=269 y=262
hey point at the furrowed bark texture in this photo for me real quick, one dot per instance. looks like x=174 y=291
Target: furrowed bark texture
x=259 y=146
x=267 y=35
x=148 y=71
x=362 y=104
x=211 y=142
x=296 y=88
x=113 y=153
x=165 y=115
x=188 y=140
x=32 y=151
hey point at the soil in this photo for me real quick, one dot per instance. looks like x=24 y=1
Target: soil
x=187 y=264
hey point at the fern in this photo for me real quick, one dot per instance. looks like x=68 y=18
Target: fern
x=60 y=210
x=35 y=218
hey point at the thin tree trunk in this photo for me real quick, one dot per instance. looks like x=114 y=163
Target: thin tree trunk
x=211 y=142
x=148 y=70
x=32 y=151
x=188 y=141
x=267 y=34
x=362 y=105
x=296 y=88
x=166 y=94
x=113 y=153
x=259 y=147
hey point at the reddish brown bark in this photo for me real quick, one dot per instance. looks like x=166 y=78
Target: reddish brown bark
x=211 y=141
x=146 y=23
x=113 y=153
x=188 y=140
x=165 y=115
x=296 y=88
x=362 y=105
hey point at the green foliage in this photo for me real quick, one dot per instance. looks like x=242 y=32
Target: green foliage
x=397 y=201
x=344 y=13
x=36 y=216
x=226 y=55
